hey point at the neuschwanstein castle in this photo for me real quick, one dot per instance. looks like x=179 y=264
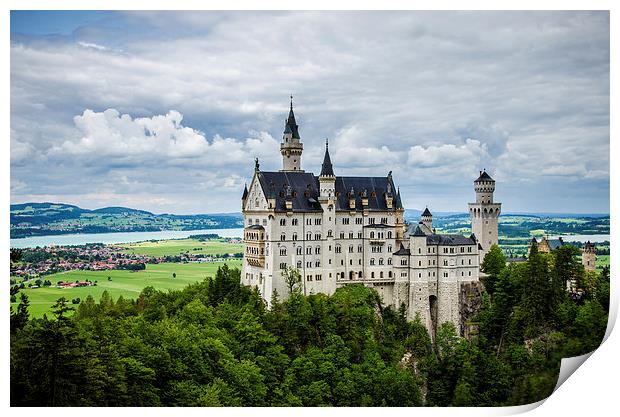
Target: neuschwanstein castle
x=340 y=230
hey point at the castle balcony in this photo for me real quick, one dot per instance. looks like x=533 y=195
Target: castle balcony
x=254 y=245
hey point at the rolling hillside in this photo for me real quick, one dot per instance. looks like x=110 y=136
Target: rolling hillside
x=38 y=219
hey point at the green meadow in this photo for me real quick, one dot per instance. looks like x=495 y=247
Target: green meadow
x=126 y=283
x=178 y=246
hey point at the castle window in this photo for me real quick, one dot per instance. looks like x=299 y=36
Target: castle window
x=462 y=249
x=372 y=274
x=257 y=221
x=298 y=264
x=317 y=250
x=419 y=263
x=309 y=250
x=359 y=261
x=318 y=277
x=389 y=235
x=389 y=261
x=294 y=222
x=345 y=220
x=317 y=222
x=317 y=236
x=470 y=261
x=381 y=274
x=264 y=222
x=351 y=262
x=308 y=236
x=317 y=264
x=282 y=222
x=282 y=265
x=359 y=220
x=372 y=235
x=283 y=237
x=419 y=250
x=341 y=235
x=389 y=274
x=299 y=250
x=359 y=248
x=350 y=235
x=371 y=220
x=329 y=233
x=308 y=277
x=372 y=261
x=359 y=235
x=469 y=249
x=380 y=261
x=445 y=262
x=420 y=275
x=403 y=262
x=294 y=236
x=309 y=264
x=342 y=263
x=383 y=220
x=350 y=248
x=338 y=249
x=308 y=222
x=469 y=273
x=282 y=251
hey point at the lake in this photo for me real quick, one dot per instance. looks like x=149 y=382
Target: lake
x=582 y=238
x=120 y=237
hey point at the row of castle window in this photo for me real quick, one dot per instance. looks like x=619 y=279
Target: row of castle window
x=254 y=236
x=372 y=261
x=317 y=277
x=317 y=221
x=254 y=251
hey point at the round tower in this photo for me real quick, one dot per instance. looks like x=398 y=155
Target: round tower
x=291 y=147
x=484 y=213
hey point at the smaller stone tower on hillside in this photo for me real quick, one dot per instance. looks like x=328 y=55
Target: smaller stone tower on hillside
x=588 y=256
x=484 y=213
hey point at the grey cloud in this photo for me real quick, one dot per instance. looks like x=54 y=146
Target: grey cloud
x=531 y=88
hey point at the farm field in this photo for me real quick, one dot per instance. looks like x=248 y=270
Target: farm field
x=126 y=283
x=178 y=246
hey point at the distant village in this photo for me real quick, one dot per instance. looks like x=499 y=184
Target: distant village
x=38 y=262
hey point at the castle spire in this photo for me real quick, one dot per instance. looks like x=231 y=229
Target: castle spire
x=291 y=125
x=327 y=169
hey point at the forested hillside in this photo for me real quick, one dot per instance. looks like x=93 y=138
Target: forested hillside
x=39 y=219
x=215 y=344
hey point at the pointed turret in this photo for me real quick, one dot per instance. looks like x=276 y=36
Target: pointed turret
x=291 y=125
x=427 y=218
x=327 y=170
x=245 y=192
x=291 y=147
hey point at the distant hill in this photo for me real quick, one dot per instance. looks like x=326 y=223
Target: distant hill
x=39 y=219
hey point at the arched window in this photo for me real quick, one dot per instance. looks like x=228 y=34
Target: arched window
x=282 y=251
x=338 y=249
x=381 y=274
x=380 y=261
x=389 y=261
x=389 y=235
x=317 y=250
x=372 y=235
x=299 y=250
x=282 y=222
x=298 y=264
x=309 y=250
x=372 y=261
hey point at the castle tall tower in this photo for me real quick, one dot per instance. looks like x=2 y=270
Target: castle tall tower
x=588 y=256
x=291 y=146
x=484 y=213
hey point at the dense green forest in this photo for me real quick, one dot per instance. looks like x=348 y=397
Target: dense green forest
x=215 y=343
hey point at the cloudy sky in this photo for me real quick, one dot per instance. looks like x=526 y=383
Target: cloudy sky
x=166 y=111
